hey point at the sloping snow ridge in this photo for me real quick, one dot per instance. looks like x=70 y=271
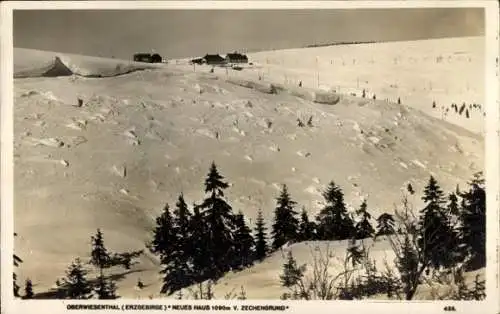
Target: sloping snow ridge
x=35 y=63
x=110 y=152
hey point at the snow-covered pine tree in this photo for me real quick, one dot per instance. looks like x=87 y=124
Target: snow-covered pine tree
x=244 y=244
x=219 y=218
x=364 y=228
x=385 y=224
x=105 y=289
x=437 y=240
x=28 y=290
x=178 y=269
x=76 y=285
x=306 y=227
x=285 y=226
x=333 y=220
x=473 y=222
x=261 y=247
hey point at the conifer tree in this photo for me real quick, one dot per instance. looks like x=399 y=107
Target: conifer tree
x=199 y=246
x=333 y=220
x=285 y=226
x=306 y=227
x=473 y=222
x=364 y=228
x=453 y=208
x=163 y=237
x=177 y=269
x=385 y=224
x=261 y=247
x=437 y=241
x=99 y=255
x=244 y=243
x=105 y=289
x=75 y=285
x=408 y=265
x=219 y=219
x=28 y=290
x=453 y=212
x=292 y=273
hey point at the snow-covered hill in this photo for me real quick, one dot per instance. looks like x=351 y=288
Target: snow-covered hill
x=137 y=140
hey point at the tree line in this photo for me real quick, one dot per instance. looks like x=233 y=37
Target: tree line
x=205 y=243
x=436 y=246
x=212 y=240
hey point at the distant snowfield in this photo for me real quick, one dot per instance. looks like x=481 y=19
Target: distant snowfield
x=140 y=138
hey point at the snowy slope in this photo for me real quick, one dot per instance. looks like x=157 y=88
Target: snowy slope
x=142 y=138
x=446 y=71
x=35 y=63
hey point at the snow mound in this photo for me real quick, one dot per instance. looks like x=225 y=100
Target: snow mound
x=37 y=63
x=266 y=88
x=315 y=95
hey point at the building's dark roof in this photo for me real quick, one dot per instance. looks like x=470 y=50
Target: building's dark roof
x=236 y=55
x=213 y=57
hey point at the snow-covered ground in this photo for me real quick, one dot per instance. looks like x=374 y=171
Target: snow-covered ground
x=141 y=138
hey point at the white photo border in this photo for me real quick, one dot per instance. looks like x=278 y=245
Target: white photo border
x=492 y=141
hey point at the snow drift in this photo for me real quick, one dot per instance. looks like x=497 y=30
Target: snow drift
x=36 y=63
x=308 y=94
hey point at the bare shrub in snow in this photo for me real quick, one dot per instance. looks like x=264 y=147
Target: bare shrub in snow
x=318 y=280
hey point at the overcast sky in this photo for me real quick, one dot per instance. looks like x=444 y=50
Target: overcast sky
x=186 y=33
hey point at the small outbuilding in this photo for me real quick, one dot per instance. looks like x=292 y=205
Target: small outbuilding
x=236 y=57
x=148 y=57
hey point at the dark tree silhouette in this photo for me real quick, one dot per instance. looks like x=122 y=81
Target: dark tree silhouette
x=473 y=221
x=437 y=240
x=410 y=267
x=28 y=290
x=99 y=254
x=220 y=221
x=333 y=220
x=244 y=244
x=364 y=228
x=285 y=226
x=177 y=268
x=199 y=247
x=453 y=209
x=385 y=224
x=261 y=247
x=291 y=272
x=76 y=285
x=105 y=289
x=306 y=227
x=163 y=236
